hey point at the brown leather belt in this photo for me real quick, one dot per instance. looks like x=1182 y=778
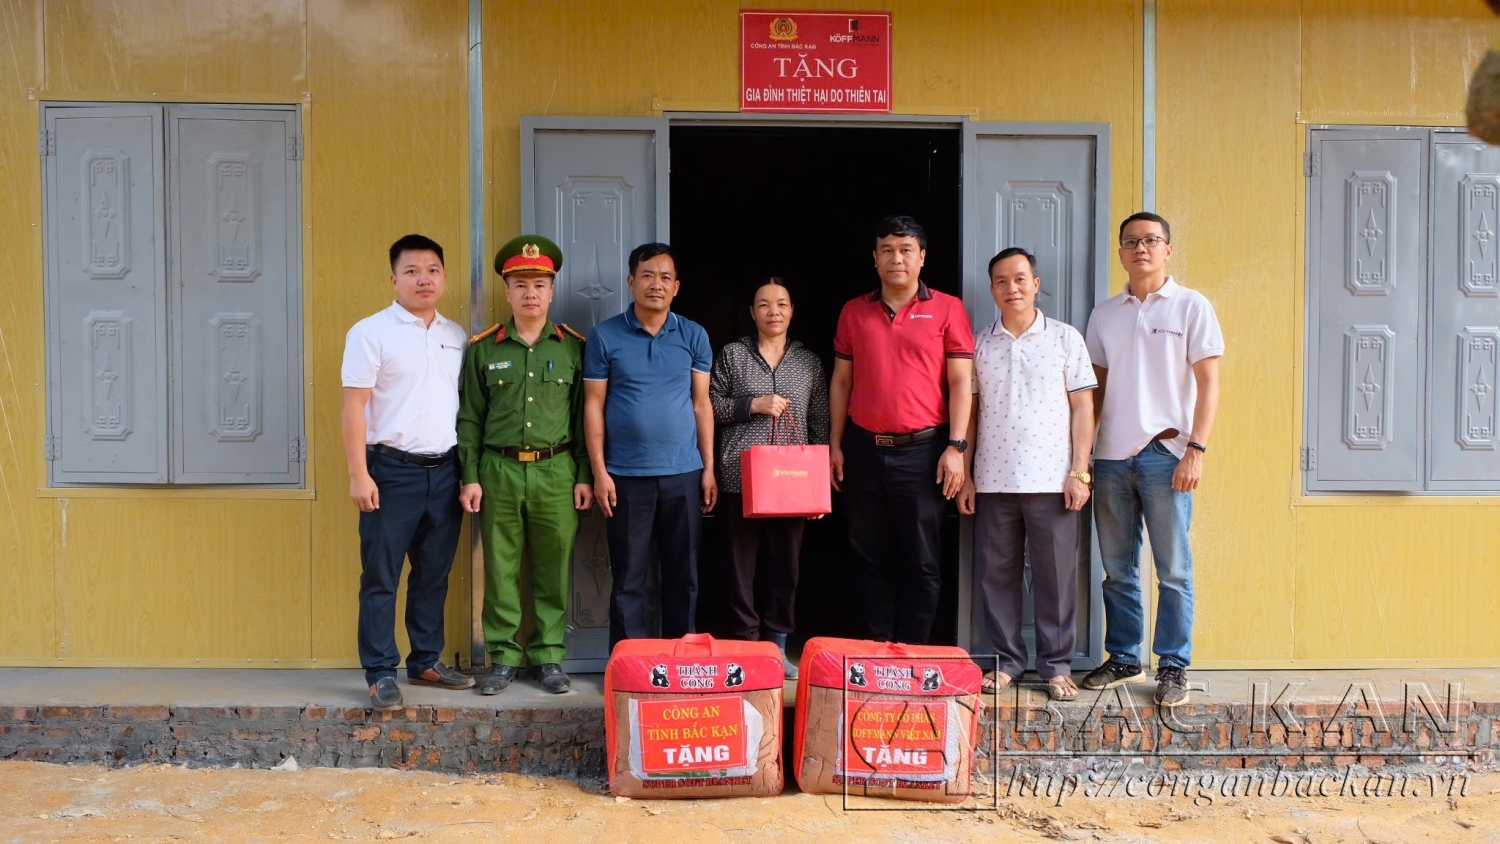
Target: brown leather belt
x=530 y=455
x=426 y=461
x=900 y=439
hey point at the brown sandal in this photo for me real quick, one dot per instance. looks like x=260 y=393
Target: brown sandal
x=993 y=682
x=1061 y=687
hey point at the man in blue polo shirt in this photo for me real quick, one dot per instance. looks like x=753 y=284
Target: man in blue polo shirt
x=650 y=431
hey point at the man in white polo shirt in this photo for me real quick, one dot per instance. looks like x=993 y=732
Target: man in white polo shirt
x=1156 y=350
x=1032 y=431
x=400 y=420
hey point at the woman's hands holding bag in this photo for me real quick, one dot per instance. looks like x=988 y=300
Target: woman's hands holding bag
x=771 y=405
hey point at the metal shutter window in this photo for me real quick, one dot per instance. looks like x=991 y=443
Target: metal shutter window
x=106 y=294
x=174 y=289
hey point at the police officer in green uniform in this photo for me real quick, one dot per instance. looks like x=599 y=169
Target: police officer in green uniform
x=525 y=468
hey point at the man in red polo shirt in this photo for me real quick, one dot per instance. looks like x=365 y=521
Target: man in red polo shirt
x=899 y=407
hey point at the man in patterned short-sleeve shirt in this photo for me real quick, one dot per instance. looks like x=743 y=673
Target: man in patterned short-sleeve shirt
x=1032 y=430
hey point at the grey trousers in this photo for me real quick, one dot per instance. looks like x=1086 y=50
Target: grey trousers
x=1004 y=525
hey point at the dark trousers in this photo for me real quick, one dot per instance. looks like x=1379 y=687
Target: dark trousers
x=764 y=557
x=419 y=518
x=666 y=508
x=1005 y=524
x=894 y=507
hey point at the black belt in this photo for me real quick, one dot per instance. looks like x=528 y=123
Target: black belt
x=900 y=439
x=426 y=461
x=529 y=455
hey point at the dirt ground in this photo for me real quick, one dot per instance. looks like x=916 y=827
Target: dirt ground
x=41 y=802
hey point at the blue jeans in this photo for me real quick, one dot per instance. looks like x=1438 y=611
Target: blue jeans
x=1125 y=492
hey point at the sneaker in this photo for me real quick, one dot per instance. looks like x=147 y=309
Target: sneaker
x=385 y=695
x=443 y=677
x=1112 y=674
x=552 y=678
x=1171 y=686
x=789 y=668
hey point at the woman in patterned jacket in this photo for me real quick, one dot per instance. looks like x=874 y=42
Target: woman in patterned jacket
x=756 y=379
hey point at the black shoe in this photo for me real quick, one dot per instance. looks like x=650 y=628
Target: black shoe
x=498 y=679
x=443 y=677
x=385 y=695
x=1112 y=674
x=1171 y=686
x=552 y=677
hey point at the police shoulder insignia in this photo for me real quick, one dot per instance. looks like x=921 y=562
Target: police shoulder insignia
x=562 y=326
x=485 y=333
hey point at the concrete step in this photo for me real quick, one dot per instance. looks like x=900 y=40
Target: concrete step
x=251 y=717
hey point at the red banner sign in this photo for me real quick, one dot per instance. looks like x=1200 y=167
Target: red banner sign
x=690 y=734
x=896 y=738
x=816 y=62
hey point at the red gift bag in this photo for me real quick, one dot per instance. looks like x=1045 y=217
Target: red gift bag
x=785 y=480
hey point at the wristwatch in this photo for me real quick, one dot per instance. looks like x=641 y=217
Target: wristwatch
x=961 y=445
x=1082 y=476
x=1200 y=446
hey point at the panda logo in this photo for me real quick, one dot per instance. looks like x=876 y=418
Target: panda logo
x=659 y=677
x=857 y=674
x=735 y=676
x=932 y=679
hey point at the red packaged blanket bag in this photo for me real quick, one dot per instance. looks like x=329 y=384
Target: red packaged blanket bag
x=694 y=717
x=876 y=719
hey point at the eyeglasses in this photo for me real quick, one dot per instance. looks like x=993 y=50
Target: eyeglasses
x=1150 y=242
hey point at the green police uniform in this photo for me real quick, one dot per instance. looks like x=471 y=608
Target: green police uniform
x=520 y=437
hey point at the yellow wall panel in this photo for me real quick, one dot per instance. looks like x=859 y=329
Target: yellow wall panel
x=1393 y=61
x=150 y=579
x=1414 y=580
x=175 y=46
x=183 y=579
x=1397 y=583
x=989 y=57
x=983 y=60
x=27 y=622
x=387 y=155
x=1225 y=159
x=1282 y=577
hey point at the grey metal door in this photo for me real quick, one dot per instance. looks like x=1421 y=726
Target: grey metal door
x=598 y=187
x=1463 y=393
x=1367 y=268
x=1037 y=193
x=107 y=341
x=1043 y=187
x=236 y=338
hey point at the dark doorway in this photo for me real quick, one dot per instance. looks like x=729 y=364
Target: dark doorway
x=749 y=202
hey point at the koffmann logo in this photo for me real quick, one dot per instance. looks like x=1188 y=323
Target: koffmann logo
x=788 y=473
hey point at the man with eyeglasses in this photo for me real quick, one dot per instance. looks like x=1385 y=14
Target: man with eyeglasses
x=1155 y=349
